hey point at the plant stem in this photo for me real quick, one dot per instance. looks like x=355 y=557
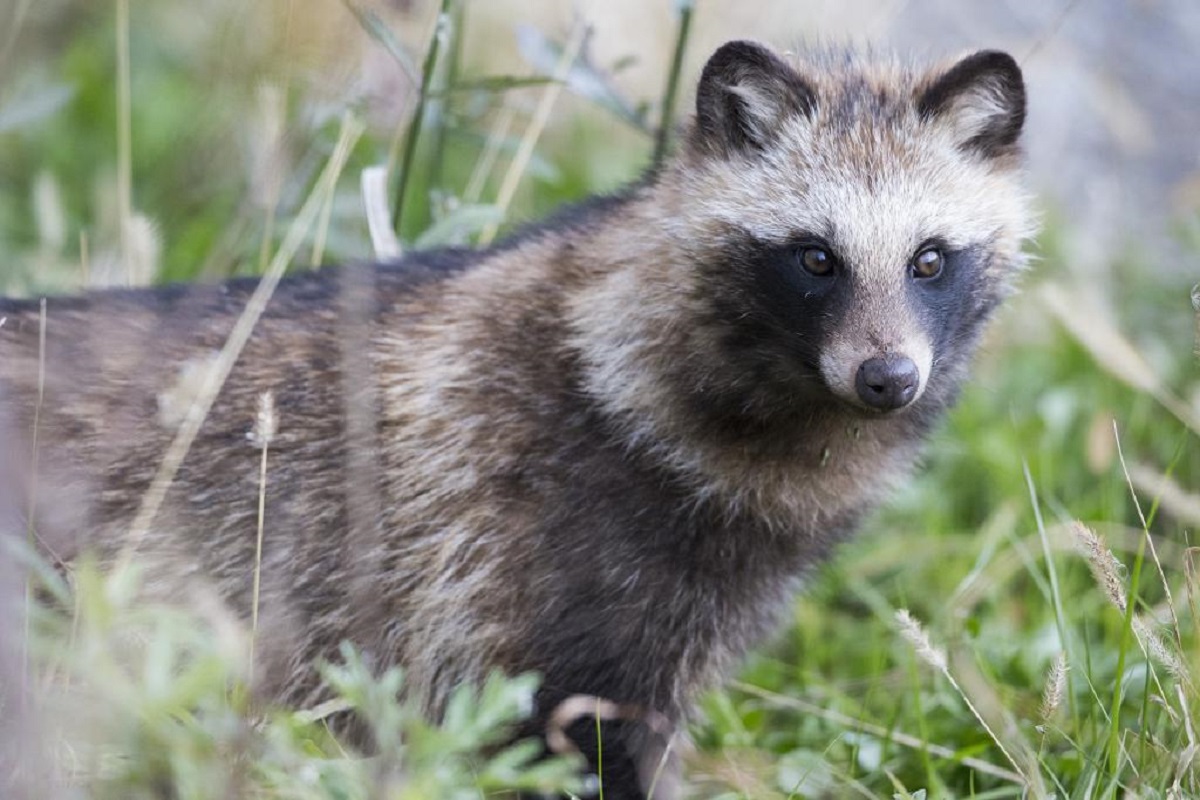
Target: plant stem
x=124 y=139
x=31 y=529
x=443 y=95
x=668 y=104
x=1114 y=731
x=414 y=126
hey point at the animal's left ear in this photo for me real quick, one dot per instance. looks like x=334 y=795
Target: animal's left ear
x=983 y=98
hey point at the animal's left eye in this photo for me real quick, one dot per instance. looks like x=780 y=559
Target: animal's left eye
x=928 y=263
x=817 y=261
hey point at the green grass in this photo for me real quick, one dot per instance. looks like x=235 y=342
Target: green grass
x=979 y=546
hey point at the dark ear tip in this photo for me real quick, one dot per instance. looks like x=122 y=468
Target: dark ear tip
x=996 y=63
x=739 y=51
x=995 y=59
x=999 y=62
x=738 y=47
x=991 y=81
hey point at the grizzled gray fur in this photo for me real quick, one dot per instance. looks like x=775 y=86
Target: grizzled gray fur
x=607 y=449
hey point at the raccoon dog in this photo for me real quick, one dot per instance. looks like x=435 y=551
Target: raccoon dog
x=608 y=448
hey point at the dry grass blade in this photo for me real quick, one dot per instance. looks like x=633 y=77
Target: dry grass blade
x=124 y=136
x=324 y=710
x=1172 y=498
x=215 y=378
x=1091 y=327
x=885 y=734
x=375 y=200
x=1112 y=351
x=512 y=178
x=31 y=527
x=985 y=701
x=263 y=433
x=1162 y=575
x=1016 y=751
x=487 y=159
x=661 y=769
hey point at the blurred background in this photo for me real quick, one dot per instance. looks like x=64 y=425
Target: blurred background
x=227 y=98
x=146 y=141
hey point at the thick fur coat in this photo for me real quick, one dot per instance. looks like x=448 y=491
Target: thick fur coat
x=607 y=449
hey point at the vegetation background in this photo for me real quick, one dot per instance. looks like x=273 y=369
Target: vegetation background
x=975 y=641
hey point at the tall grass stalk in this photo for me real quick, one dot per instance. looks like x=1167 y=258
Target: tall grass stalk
x=663 y=136
x=322 y=231
x=265 y=425
x=1147 y=537
x=599 y=755
x=85 y=264
x=661 y=768
x=1060 y=617
x=1125 y=602
x=215 y=378
x=446 y=77
x=30 y=523
x=124 y=140
x=414 y=126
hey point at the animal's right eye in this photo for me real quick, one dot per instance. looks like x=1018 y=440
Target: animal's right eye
x=816 y=261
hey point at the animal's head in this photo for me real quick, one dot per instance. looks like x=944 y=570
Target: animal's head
x=849 y=225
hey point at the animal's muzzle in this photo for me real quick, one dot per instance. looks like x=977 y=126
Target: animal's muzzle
x=888 y=382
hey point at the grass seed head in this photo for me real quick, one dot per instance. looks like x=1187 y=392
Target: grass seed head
x=266 y=423
x=1056 y=686
x=1105 y=566
x=911 y=630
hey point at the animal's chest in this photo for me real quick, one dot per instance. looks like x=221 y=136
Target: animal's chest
x=647 y=592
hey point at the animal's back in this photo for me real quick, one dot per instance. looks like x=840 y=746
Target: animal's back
x=102 y=383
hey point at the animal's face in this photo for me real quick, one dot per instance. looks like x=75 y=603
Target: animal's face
x=853 y=225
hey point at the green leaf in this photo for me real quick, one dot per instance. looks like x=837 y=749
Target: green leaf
x=459 y=225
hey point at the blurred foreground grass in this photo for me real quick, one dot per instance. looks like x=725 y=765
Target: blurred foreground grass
x=231 y=118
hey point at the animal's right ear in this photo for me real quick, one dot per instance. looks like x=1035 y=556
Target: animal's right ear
x=982 y=98
x=746 y=93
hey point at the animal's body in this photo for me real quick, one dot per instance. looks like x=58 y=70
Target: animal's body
x=606 y=450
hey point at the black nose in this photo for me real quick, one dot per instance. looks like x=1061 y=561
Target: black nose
x=887 y=382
